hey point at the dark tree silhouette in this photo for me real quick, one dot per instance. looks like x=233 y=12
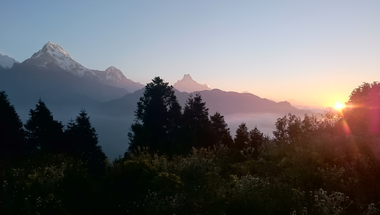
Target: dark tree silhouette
x=242 y=137
x=256 y=139
x=83 y=143
x=363 y=109
x=197 y=127
x=43 y=131
x=12 y=134
x=289 y=129
x=222 y=132
x=158 y=119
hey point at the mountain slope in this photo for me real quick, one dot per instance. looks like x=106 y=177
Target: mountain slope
x=216 y=100
x=53 y=55
x=187 y=84
x=6 y=62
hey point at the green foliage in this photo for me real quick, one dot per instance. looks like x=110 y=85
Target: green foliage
x=310 y=167
x=43 y=184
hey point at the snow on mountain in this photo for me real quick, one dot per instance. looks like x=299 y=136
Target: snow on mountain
x=52 y=55
x=187 y=84
x=114 y=74
x=6 y=61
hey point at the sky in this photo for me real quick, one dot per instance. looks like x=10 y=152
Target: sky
x=315 y=52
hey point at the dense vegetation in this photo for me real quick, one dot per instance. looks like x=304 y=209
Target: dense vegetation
x=183 y=161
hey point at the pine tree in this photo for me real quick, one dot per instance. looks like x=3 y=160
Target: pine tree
x=12 y=134
x=222 y=132
x=158 y=119
x=256 y=139
x=82 y=140
x=197 y=127
x=242 y=137
x=43 y=131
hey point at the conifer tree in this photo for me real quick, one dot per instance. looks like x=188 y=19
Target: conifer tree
x=158 y=119
x=256 y=139
x=12 y=134
x=83 y=143
x=43 y=131
x=222 y=132
x=198 y=131
x=241 y=139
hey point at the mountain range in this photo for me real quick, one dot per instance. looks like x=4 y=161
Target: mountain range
x=110 y=98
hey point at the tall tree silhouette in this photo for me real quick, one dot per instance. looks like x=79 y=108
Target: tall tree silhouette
x=83 y=143
x=256 y=139
x=363 y=109
x=43 y=131
x=158 y=119
x=12 y=134
x=241 y=139
x=221 y=130
x=198 y=131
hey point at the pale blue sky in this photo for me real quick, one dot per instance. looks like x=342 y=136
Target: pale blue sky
x=312 y=51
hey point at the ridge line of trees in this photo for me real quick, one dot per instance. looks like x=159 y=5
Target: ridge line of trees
x=42 y=134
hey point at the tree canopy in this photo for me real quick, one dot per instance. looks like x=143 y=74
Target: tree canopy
x=158 y=118
x=82 y=142
x=198 y=131
x=221 y=129
x=363 y=109
x=43 y=131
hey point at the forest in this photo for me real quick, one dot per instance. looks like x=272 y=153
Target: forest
x=183 y=160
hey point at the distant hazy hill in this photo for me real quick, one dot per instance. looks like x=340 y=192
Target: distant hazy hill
x=216 y=100
x=6 y=62
x=187 y=84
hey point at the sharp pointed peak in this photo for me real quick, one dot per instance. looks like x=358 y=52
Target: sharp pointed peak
x=187 y=76
x=111 y=68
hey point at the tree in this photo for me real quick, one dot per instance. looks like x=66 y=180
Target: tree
x=158 y=119
x=83 y=143
x=43 y=131
x=256 y=139
x=221 y=130
x=12 y=134
x=241 y=137
x=288 y=129
x=363 y=109
x=197 y=127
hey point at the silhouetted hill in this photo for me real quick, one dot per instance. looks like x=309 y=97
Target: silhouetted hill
x=216 y=100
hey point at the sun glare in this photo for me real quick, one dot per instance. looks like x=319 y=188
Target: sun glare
x=339 y=105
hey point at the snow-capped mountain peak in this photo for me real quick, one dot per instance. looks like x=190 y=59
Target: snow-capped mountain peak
x=114 y=74
x=54 y=53
x=187 y=84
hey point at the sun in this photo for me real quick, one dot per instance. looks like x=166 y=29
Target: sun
x=339 y=105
